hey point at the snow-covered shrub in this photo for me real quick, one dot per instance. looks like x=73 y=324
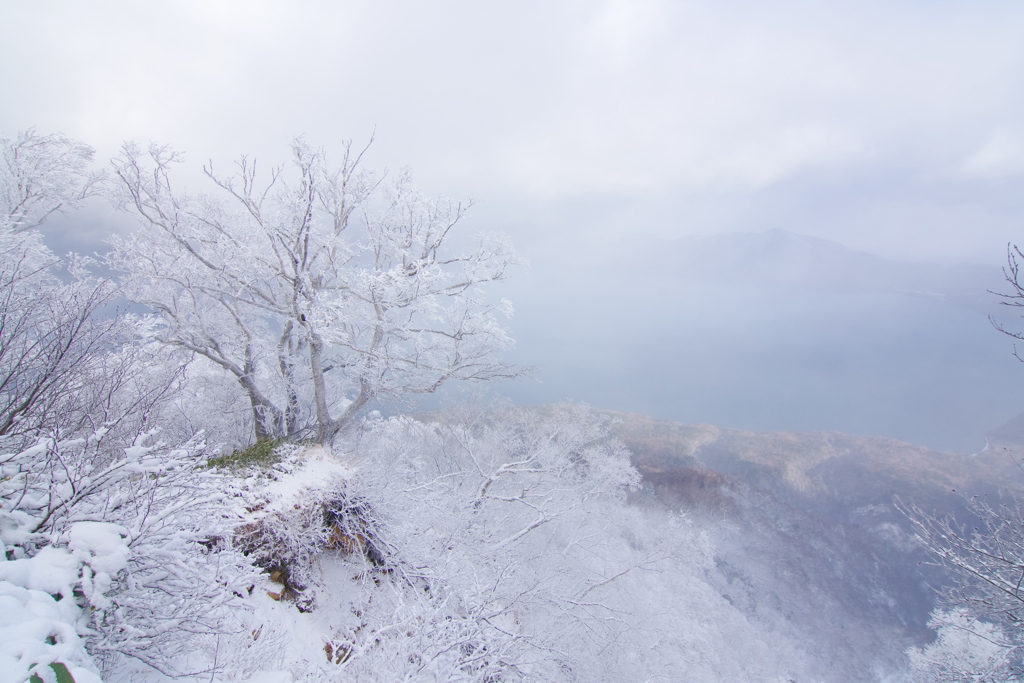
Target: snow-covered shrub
x=305 y=509
x=528 y=563
x=40 y=618
x=139 y=536
x=980 y=635
x=965 y=649
x=502 y=523
x=488 y=546
x=441 y=551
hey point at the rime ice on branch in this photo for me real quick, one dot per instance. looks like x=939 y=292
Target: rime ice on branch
x=317 y=288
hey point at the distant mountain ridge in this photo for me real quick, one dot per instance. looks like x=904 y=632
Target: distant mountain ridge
x=782 y=258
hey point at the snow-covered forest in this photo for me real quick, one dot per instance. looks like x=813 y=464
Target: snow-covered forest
x=208 y=471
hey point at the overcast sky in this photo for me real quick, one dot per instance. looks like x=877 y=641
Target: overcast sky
x=893 y=127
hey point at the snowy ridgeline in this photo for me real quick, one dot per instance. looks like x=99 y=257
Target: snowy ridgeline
x=483 y=547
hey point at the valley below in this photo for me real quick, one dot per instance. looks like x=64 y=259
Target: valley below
x=810 y=530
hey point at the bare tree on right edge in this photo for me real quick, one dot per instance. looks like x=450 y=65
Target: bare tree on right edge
x=980 y=626
x=981 y=629
x=1015 y=298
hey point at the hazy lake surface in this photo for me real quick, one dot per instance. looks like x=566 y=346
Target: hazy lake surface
x=909 y=366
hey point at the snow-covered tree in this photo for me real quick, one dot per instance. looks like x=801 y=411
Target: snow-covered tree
x=965 y=649
x=41 y=175
x=316 y=290
x=50 y=336
x=112 y=545
x=507 y=521
x=980 y=626
x=981 y=637
x=49 y=332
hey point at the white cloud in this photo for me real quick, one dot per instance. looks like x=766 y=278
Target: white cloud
x=1002 y=155
x=790 y=151
x=539 y=101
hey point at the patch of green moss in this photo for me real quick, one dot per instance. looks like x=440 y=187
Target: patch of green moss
x=63 y=675
x=263 y=453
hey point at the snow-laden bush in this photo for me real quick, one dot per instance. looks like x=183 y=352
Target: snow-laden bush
x=979 y=628
x=305 y=509
x=965 y=649
x=524 y=561
x=442 y=551
x=502 y=524
x=131 y=543
x=495 y=546
x=39 y=618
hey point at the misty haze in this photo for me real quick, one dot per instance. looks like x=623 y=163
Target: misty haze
x=609 y=340
x=776 y=331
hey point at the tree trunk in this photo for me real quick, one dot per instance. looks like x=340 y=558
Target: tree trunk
x=323 y=415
